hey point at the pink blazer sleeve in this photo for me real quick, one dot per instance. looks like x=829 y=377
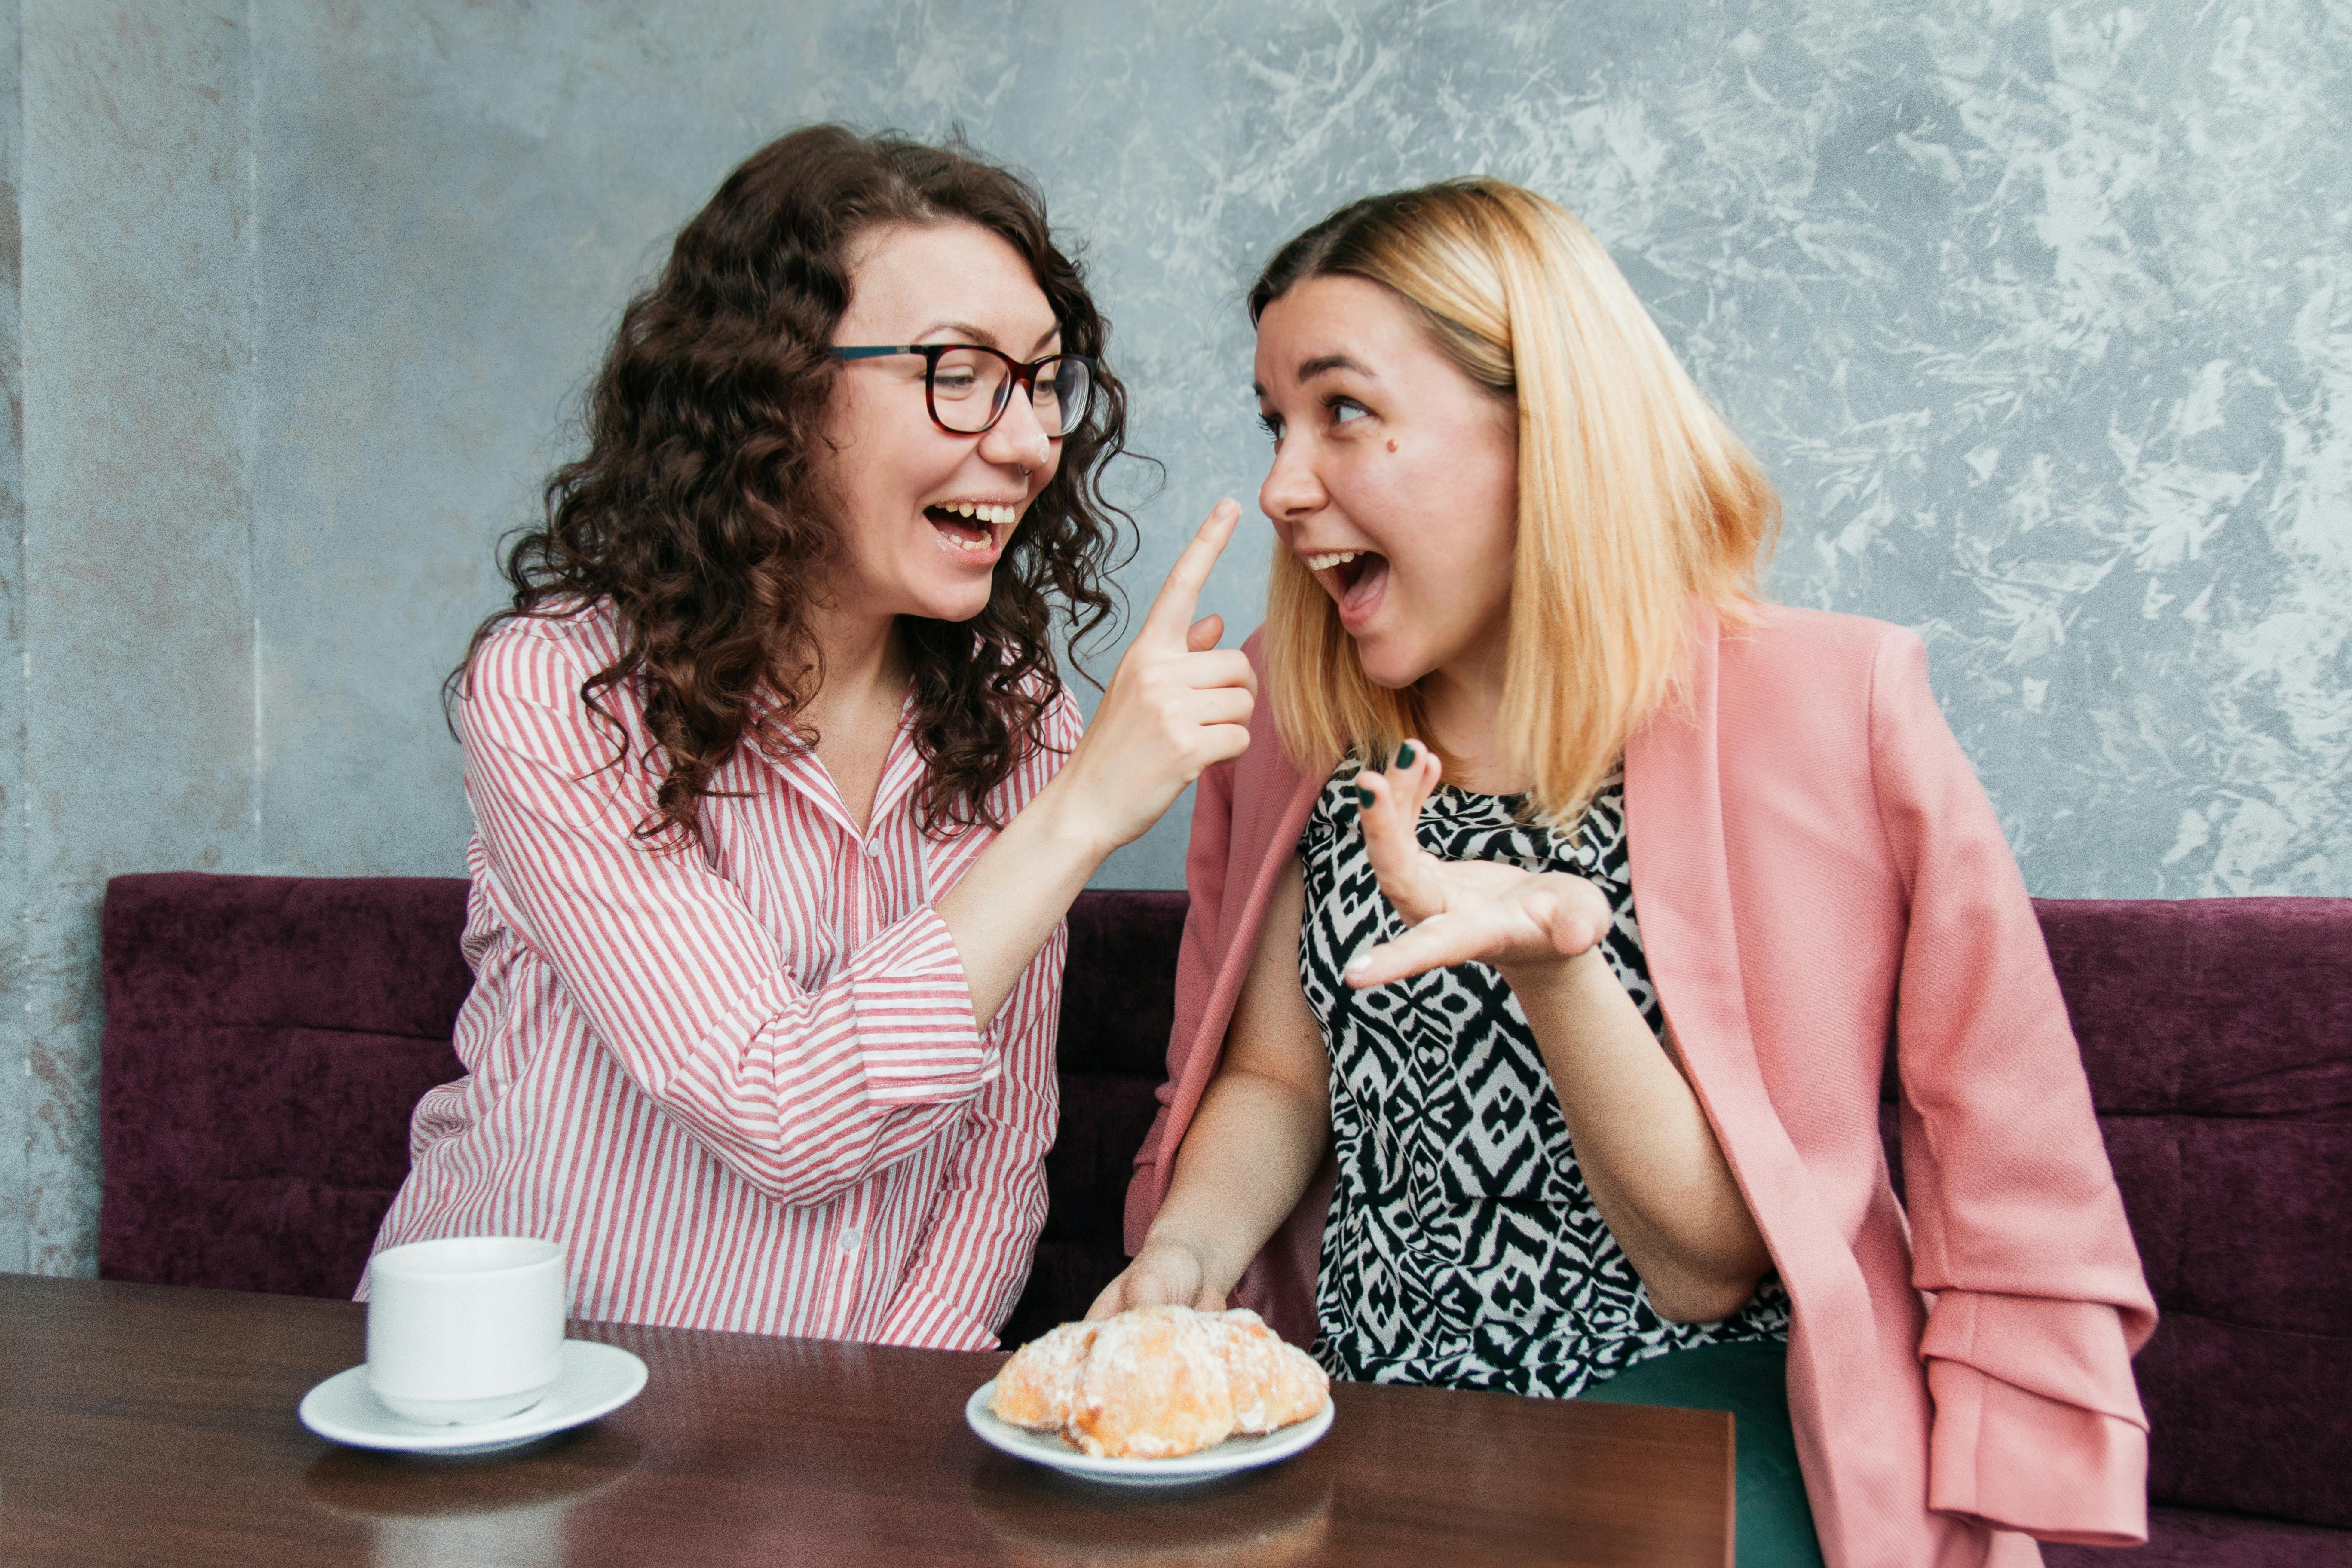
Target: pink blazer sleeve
x=2017 y=1229
x=1206 y=860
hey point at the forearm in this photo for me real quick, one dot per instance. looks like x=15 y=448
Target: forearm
x=1252 y=1149
x=1003 y=908
x=1648 y=1155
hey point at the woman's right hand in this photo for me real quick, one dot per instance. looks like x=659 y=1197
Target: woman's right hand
x=1176 y=705
x=1166 y=1272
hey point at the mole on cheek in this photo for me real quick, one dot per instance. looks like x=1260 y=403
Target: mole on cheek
x=1391 y=443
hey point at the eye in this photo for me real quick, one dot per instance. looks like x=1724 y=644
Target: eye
x=1271 y=424
x=1346 y=410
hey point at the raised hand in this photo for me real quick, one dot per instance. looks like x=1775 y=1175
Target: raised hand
x=1176 y=704
x=1461 y=911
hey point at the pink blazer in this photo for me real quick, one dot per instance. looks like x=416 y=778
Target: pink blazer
x=1818 y=873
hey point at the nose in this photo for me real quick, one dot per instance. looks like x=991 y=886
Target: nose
x=1017 y=439
x=1291 y=491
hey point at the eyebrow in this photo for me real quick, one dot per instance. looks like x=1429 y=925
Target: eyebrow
x=964 y=330
x=1322 y=364
x=981 y=335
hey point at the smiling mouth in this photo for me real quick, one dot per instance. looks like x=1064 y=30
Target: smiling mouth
x=1353 y=577
x=969 y=529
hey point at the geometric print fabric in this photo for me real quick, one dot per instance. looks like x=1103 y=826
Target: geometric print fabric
x=1462 y=1247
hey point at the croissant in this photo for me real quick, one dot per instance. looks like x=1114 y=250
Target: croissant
x=1153 y=1382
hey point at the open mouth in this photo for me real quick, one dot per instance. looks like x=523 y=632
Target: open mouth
x=971 y=527
x=1353 y=577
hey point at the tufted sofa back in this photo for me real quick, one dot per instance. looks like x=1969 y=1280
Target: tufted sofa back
x=266 y=1039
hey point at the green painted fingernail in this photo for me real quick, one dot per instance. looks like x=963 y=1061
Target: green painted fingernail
x=1364 y=795
x=1405 y=754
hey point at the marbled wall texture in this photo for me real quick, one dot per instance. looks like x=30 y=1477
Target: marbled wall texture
x=2040 y=316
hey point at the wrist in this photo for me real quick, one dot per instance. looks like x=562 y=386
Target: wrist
x=1062 y=819
x=1555 y=976
x=1180 y=1239
x=1196 y=1247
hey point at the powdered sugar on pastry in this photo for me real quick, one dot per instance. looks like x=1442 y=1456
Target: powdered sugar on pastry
x=1273 y=1384
x=1153 y=1387
x=1154 y=1382
x=1039 y=1384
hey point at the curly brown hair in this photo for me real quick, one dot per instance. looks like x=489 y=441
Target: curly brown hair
x=699 y=516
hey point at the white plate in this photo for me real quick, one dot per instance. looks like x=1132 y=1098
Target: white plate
x=1232 y=1455
x=596 y=1380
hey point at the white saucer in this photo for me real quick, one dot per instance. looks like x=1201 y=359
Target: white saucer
x=596 y=1379
x=1233 y=1454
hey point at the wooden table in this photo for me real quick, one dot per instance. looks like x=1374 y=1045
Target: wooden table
x=154 y=1425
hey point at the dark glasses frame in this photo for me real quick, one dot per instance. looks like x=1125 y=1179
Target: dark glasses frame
x=1022 y=377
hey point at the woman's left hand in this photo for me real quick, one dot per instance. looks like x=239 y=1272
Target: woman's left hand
x=1462 y=911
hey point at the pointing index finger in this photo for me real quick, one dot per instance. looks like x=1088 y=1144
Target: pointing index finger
x=1170 y=614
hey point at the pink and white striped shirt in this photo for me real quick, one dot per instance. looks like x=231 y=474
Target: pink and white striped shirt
x=740 y=1083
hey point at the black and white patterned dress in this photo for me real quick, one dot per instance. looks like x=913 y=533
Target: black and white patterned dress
x=1462 y=1247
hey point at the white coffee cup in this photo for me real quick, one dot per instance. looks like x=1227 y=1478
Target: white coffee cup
x=465 y=1330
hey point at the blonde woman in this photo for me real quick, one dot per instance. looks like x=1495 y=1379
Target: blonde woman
x=1548 y=943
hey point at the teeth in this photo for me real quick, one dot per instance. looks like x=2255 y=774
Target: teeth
x=986 y=512
x=1325 y=562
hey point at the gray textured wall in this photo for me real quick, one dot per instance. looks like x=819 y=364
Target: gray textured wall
x=15 y=1061
x=2041 y=318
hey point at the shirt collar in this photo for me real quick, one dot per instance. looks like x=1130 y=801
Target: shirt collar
x=900 y=769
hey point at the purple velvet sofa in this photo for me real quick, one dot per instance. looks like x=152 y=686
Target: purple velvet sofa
x=266 y=1039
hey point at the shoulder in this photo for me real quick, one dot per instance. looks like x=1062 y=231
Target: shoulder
x=522 y=653
x=1782 y=640
x=1788 y=666
x=1816 y=693
x=530 y=669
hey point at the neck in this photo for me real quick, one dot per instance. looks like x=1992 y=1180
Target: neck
x=864 y=661
x=1460 y=701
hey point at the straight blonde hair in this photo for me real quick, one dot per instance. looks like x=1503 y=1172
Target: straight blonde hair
x=1635 y=498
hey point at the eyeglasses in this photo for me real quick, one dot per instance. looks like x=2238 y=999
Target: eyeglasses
x=969 y=387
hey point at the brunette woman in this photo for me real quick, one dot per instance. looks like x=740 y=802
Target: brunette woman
x=1569 y=899
x=772 y=850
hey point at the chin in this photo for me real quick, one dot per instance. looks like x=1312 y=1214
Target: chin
x=958 y=603
x=1390 y=667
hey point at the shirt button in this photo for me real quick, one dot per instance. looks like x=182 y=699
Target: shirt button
x=848 y=1243
x=874 y=850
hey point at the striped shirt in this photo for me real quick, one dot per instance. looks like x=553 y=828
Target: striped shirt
x=741 y=1082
